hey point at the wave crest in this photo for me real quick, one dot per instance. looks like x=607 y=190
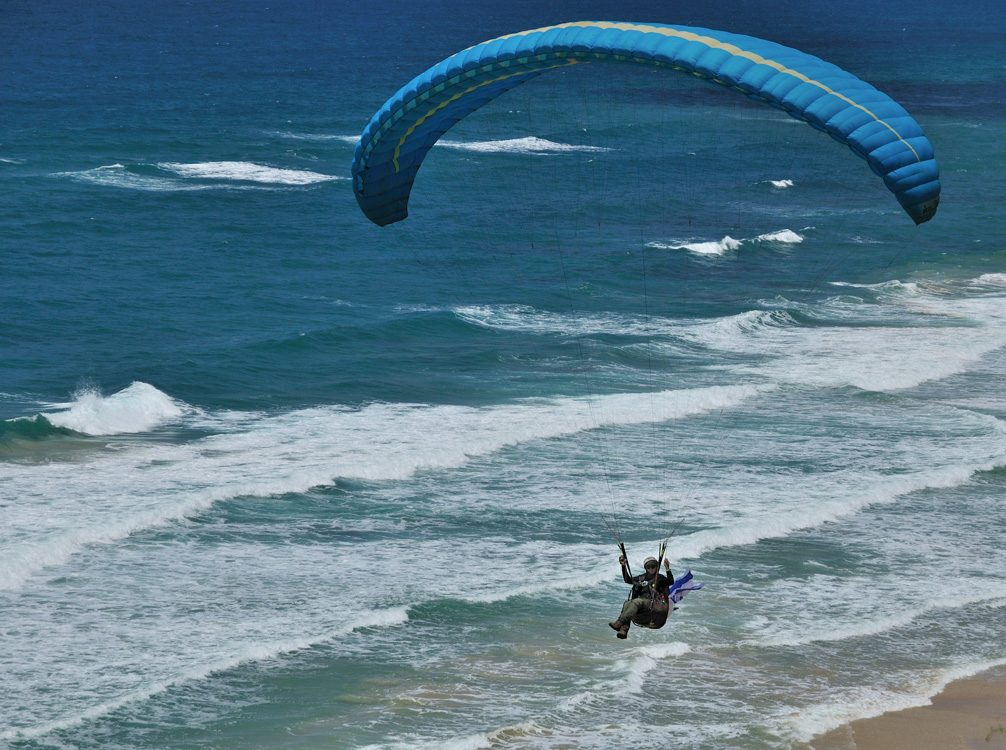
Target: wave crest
x=140 y=407
x=246 y=172
x=728 y=243
x=29 y=429
x=528 y=145
x=177 y=177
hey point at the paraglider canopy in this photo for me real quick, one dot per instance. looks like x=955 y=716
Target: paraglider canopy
x=874 y=126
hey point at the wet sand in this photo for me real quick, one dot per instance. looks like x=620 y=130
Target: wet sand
x=969 y=714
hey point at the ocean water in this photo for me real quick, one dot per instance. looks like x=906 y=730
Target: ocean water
x=274 y=477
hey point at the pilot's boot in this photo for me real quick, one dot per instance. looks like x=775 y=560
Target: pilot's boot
x=623 y=630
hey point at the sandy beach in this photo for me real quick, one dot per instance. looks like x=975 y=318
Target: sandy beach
x=968 y=714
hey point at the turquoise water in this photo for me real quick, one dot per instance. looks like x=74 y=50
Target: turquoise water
x=271 y=476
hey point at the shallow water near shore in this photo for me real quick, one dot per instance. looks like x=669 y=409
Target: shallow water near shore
x=271 y=476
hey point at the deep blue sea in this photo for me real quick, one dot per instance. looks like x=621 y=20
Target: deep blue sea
x=274 y=477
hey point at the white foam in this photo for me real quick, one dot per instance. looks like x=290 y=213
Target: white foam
x=860 y=624
x=953 y=334
x=781 y=184
x=352 y=139
x=293 y=452
x=992 y=279
x=644 y=660
x=876 y=491
x=525 y=318
x=514 y=734
x=728 y=243
x=700 y=248
x=226 y=173
x=528 y=145
x=246 y=172
x=785 y=236
x=634 y=667
x=240 y=654
x=867 y=702
x=117 y=175
x=888 y=287
x=139 y=407
x=900 y=358
x=735 y=332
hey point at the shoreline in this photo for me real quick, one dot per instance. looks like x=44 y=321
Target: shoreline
x=968 y=714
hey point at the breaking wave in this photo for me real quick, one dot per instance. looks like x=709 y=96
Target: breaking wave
x=529 y=145
x=175 y=177
x=139 y=407
x=728 y=243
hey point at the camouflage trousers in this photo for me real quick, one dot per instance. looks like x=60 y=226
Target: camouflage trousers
x=638 y=607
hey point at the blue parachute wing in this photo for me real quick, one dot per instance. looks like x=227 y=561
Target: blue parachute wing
x=851 y=111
